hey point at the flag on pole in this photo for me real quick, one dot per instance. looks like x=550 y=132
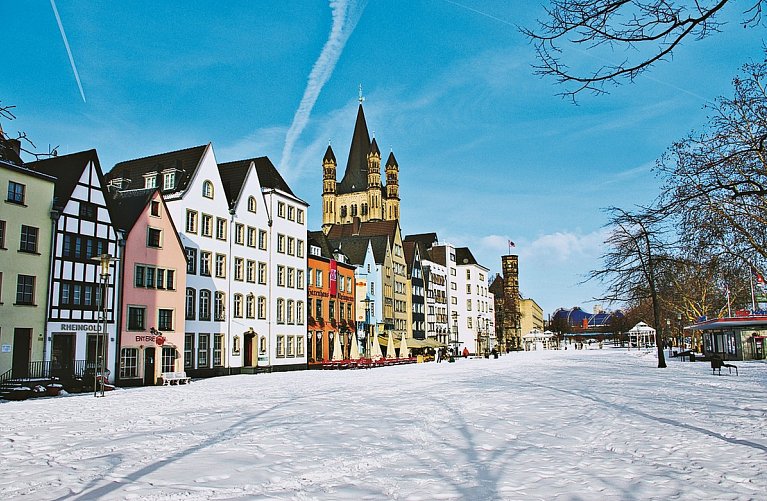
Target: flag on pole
x=511 y=244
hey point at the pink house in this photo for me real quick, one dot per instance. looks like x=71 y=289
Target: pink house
x=152 y=320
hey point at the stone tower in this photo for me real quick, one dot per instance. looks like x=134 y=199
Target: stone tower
x=328 y=187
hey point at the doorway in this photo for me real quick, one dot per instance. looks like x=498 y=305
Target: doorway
x=63 y=356
x=149 y=363
x=22 y=347
x=249 y=349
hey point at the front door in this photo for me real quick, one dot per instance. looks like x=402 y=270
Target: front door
x=22 y=343
x=149 y=379
x=63 y=356
x=249 y=350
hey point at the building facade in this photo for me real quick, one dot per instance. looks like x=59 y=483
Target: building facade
x=79 y=302
x=25 y=253
x=531 y=316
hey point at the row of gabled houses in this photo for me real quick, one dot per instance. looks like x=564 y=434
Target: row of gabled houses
x=193 y=265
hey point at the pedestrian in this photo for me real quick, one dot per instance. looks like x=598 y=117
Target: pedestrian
x=465 y=352
x=438 y=355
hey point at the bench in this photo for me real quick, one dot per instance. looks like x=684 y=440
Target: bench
x=685 y=355
x=718 y=363
x=169 y=378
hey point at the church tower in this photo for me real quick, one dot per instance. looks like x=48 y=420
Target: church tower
x=392 y=187
x=328 y=188
x=374 y=210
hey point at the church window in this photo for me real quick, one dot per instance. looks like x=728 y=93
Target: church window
x=364 y=209
x=343 y=211
x=354 y=210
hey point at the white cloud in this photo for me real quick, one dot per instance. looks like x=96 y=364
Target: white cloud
x=565 y=245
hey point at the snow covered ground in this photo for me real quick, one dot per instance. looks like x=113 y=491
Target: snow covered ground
x=571 y=425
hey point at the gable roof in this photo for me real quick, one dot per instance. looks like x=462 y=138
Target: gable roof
x=428 y=240
x=67 y=169
x=186 y=160
x=356 y=173
x=129 y=205
x=438 y=254
x=411 y=250
x=464 y=256
x=355 y=247
x=365 y=229
x=269 y=176
x=233 y=175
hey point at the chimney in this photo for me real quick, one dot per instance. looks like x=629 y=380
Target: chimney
x=356 y=226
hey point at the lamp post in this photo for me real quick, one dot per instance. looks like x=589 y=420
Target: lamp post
x=683 y=344
x=101 y=354
x=368 y=338
x=455 y=342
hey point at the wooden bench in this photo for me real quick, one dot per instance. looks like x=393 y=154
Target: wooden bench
x=169 y=378
x=718 y=363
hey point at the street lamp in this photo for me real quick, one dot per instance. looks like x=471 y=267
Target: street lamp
x=367 y=302
x=681 y=334
x=104 y=260
x=455 y=342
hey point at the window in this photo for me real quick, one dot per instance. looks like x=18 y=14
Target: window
x=221 y=265
x=220 y=228
x=136 y=318
x=207 y=189
x=291 y=311
x=331 y=309
x=250 y=272
x=468 y=322
x=149 y=278
x=280 y=311
x=150 y=180
x=2 y=234
x=291 y=345
x=153 y=237
x=15 y=193
x=318 y=308
x=220 y=306
x=291 y=213
x=300 y=279
x=191 y=260
x=25 y=290
x=88 y=211
x=468 y=274
x=191 y=221
x=252 y=204
x=300 y=312
x=188 y=349
x=291 y=246
x=311 y=276
x=299 y=347
x=291 y=277
x=468 y=305
x=250 y=306
x=203 y=344
x=251 y=236
x=239 y=266
x=261 y=307
x=237 y=313
x=300 y=216
x=280 y=276
x=262 y=239
x=281 y=243
x=191 y=302
x=281 y=346
x=128 y=363
x=218 y=348
x=154 y=208
x=318 y=281
x=262 y=345
x=165 y=319
x=205 y=258
x=160 y=283
x=28 y=239
x=168 y=359
x=239 y=234
x=168 y=180
x=207 y=225
x=262 y=273
x=170 y=280
x=204 y=304
x=468 y=288
x=281 y=209
x=300 y=248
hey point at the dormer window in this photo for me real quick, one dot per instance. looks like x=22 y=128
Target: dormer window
x=169 y=181
x=207 y=189
x=252 y=204
x=150 y=180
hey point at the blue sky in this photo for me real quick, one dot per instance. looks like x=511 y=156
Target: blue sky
x=487 y=150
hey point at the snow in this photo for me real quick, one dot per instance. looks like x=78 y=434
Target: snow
x=570 y=425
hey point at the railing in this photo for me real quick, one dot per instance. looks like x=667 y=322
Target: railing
x=45 y=369
x=6 y=376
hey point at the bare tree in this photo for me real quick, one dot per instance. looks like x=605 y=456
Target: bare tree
x=715 y=183
x=646 y=31
x=11 y=147
x=637 y=250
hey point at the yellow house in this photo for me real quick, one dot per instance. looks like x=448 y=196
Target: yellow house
x=531 y=316
x=25 y=252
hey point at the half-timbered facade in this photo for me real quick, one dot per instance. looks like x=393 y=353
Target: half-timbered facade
x=83 y=230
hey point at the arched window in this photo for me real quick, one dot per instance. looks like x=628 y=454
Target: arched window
x=219 y=306
x=280 y=311
x=300 y=312
x=204 y=304
x=250 y=306
x=191 y=303
x=238 y=305
x=207 y=189
x=290 y=311
x=252 y=204
x=262 y=307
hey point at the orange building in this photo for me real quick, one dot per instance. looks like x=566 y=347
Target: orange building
x=330 y=306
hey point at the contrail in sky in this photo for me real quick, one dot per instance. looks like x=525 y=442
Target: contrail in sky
x=346 y=13
x=69 y=51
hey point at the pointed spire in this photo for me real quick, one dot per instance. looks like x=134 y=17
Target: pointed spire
x=329 y=156
x=356 y=173
x=391 y=160
x=374 y=148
